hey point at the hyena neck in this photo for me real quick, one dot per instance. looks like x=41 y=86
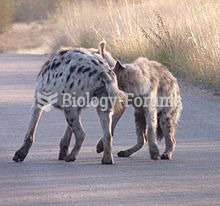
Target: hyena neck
x=110 y=60
x=123 y=80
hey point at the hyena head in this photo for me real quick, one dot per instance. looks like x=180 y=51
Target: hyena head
x=120 y=71
x=105 y=54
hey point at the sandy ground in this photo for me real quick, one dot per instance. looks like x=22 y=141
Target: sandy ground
x=191 y=178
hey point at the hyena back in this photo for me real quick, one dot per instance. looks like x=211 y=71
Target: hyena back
x=77 y=72
x=148 y=79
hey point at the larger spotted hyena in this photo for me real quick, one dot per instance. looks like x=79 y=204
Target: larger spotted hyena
x=79 y=73
x=149 y=80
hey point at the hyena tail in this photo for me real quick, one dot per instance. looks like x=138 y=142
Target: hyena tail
x=119 y=97
x=159 y=131
x=105 y=54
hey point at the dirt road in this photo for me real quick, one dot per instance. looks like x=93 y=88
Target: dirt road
x=192 y=178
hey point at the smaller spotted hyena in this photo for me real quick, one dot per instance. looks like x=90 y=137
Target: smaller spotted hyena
x=148 y=79
x=77 y=72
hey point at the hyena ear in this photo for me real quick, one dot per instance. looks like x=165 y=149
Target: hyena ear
x=101 y=48
x=118 y=66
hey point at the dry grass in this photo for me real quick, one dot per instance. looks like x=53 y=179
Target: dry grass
x=182 y=34
x=29 y=38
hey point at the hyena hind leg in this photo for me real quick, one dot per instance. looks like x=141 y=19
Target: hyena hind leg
x=115 y=118
x=106 y=124
x=74 y=123
x=168 y=129
x=64 y=143
x=152 y=133
x=29 y=137
x=140 y=123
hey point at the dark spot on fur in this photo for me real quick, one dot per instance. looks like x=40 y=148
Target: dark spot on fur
x=80 y=69
x=46 y=68
x=92 y=73
x=86 y=70
x=55 y=64
x=70 y=124
x=48 y=78
x=101 y=75
x=71 y=85
x=68 y=61
x=82 y=88
x=94 y=62
x=46 y=63
x=56 y=75
x=101 y=62
x=72 y=68
x=80 y=59
x=79 y=81
x=54 y=84
x=111 y=73
x=60 y=74
x=57 y=106
x=63 y=52
x=78 y=51
x=98 y=92
x=68 y=77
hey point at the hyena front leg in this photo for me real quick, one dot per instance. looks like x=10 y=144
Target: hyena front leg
x=151 y=117
x=74 y=123
x=140 y=123
x=115 y=118
x=168 y=129
x=64 y=143
x=106 y=124
x=30 y=135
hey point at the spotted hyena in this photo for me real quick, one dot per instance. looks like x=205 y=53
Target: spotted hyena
x=77 y=72
x=148 y=80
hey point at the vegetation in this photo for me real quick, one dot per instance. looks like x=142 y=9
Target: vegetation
x=32 y=10
x=184 y=35
x=6 y=14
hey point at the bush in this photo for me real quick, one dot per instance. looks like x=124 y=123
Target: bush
x=6 y=13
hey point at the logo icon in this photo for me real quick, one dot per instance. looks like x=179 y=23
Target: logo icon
x=46 y=100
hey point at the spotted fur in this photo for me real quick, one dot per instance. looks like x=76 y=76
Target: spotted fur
x=145 y=78
x=75 y=72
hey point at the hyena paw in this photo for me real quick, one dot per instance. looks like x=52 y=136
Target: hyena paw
x=20 y=155
x=155 y=156
x=154 y=152
x=124 y=154
x=62 y=156
x=107 y=160
x=166 y=156
x=63 y=153
x=69 y=158
x=99 y=147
